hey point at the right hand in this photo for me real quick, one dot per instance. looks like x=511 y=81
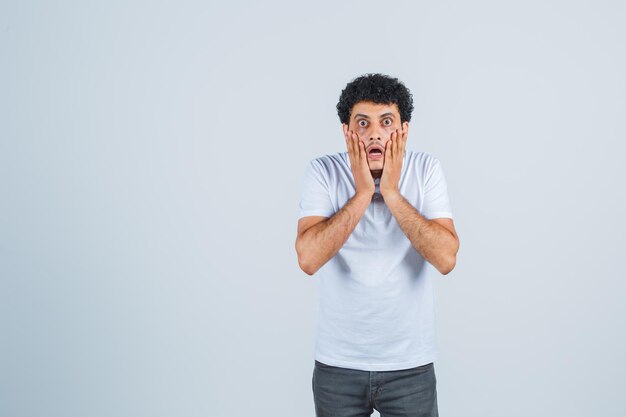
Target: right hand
x=363 y=179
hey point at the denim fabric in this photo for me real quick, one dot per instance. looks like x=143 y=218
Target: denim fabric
x=342 y=392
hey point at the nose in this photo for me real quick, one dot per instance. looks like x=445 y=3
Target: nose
x=375 y=135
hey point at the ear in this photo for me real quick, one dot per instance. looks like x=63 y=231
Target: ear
x=345 y=128
x=405 y=127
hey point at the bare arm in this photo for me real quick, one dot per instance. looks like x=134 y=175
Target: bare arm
x=436 y=240
x=317 y=244
x=319 y=238
x=438 y=244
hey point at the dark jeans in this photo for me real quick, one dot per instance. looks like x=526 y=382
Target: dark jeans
x=342 y=392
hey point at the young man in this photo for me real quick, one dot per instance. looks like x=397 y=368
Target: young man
x=373 y=222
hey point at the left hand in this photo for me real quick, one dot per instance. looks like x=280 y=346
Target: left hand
x=392 y=167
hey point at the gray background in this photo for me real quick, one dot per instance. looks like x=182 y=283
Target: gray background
x=150 y=164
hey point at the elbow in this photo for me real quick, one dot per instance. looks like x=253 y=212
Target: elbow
x=306 y=268
x=446 y=267
x=304 y=265
x=451 y=261
x=303 y=262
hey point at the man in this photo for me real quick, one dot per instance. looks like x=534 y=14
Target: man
x=373 y=220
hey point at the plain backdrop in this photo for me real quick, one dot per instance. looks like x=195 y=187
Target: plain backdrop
x=151 y=157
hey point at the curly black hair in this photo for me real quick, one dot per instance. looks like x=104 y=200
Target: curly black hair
x=377 y=88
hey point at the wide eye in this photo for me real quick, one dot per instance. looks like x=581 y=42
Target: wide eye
x=364 y=121
x=387 y=120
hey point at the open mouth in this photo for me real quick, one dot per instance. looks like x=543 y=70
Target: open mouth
x=375 y=154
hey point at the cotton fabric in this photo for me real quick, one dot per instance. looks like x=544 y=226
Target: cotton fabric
x=375 y=308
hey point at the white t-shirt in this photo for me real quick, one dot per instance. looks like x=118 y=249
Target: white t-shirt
x=375 y=307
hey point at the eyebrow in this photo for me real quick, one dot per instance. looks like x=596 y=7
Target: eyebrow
x=367 y=117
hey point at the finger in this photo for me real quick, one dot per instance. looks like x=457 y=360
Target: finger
x=363 y=153
x=387 y=153
x=355 y=146
x=350 y=146
x=347 y=139
x=397 y=143
x=351 y=139
x=362 y=150
x=405 y=134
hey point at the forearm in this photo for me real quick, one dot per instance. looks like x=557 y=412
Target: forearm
x=434 y=242
x=322 y=241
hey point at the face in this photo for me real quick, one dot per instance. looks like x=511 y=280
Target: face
x=373 y=123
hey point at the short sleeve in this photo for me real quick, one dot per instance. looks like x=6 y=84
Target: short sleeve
x=315 y=197
x=436 y=202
